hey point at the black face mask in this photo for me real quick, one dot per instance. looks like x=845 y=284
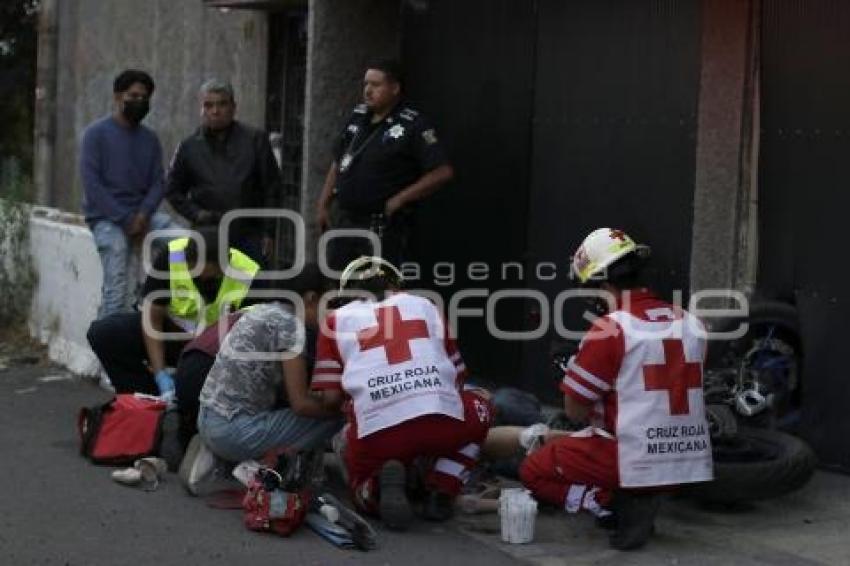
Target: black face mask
x=136 y=110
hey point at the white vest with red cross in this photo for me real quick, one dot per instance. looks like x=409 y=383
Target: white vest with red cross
x=395 y=363
x=662 y=433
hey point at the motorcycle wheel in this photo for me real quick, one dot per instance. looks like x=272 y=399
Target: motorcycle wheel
x=780 y=322
x=756 y=464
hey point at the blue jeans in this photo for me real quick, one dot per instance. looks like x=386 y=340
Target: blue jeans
x=120 y=263
x=246 y=437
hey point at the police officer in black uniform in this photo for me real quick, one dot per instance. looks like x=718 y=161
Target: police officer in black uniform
x=387 y=158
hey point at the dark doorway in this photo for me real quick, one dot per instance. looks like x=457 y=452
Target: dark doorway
x=470 y=68
x=614 y=142
x=286 y=88
x=803 y=199
x=561 y=117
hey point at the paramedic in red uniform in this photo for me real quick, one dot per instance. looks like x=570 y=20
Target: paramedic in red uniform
x=637 y=382
x=393 y=357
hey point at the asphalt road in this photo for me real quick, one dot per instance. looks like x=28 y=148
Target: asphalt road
x=57 y=508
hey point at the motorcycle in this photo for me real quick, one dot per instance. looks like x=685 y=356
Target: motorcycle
x=752 y=388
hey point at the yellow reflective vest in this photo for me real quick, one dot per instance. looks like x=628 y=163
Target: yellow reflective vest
x=186 y=304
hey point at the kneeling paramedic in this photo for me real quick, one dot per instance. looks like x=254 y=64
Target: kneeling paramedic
x=391 y=354
x=637 y=381
x=131 y=346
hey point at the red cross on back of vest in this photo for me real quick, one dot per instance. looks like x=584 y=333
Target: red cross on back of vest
x=393 y=334
x=676 y=376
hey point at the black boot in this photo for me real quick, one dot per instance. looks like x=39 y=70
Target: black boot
x=393 y=503
x=607 y=522
x=635 y=513
x=438 y=506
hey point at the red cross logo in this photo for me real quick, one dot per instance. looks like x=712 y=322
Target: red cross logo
x=618 y=235
x=392 y=334
x=676 y=376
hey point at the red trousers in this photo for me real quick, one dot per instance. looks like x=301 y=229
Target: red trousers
x=573 y=472
x=454 y=446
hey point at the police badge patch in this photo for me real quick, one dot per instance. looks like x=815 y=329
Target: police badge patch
x=429 y=136
x=408 y=114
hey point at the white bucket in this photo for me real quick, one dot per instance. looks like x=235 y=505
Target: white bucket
x=518 y=511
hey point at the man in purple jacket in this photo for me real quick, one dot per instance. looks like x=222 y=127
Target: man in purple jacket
x=122 y=174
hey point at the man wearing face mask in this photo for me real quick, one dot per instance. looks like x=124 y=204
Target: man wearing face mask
x=122 y=175
x=225 y=165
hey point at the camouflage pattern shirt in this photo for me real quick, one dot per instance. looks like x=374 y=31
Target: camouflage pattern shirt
x=247 y=374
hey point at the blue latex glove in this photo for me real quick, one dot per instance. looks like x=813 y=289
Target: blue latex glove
x=165 y=383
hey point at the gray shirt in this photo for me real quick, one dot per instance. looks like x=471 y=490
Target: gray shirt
x=241 y=381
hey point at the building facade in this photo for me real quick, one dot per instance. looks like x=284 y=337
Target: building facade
x=711 y=129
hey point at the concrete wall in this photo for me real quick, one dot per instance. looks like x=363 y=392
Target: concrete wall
x=180 y=42
x=342 y=38
x=67 y=294
x=724 y=247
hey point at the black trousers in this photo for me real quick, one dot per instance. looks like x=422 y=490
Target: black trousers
x=192 y=370
x=393 y=232
x=119 y=345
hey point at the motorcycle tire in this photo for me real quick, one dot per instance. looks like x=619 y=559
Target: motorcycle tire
x=757 y=464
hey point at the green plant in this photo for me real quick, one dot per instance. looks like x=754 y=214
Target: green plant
x=18 y=48
x=17 y=273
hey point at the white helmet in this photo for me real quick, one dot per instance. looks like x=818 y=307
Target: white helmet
x=600 y=249
x=366 y=267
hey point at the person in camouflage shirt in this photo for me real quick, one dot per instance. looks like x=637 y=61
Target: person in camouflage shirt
x=243 y=414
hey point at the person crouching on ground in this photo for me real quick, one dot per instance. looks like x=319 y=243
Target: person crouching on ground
x=136 y=348
x=392 y=355
x=263 y=354
x=637 y=374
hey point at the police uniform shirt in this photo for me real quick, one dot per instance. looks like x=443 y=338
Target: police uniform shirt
x=376 y=161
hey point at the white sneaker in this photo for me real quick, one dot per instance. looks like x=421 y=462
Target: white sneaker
x=204 y=473
x=152 y=469
x=128 y=476
x=145 y=472
x=197 y=464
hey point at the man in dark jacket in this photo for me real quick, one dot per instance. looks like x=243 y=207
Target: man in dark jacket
x=225 y=165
